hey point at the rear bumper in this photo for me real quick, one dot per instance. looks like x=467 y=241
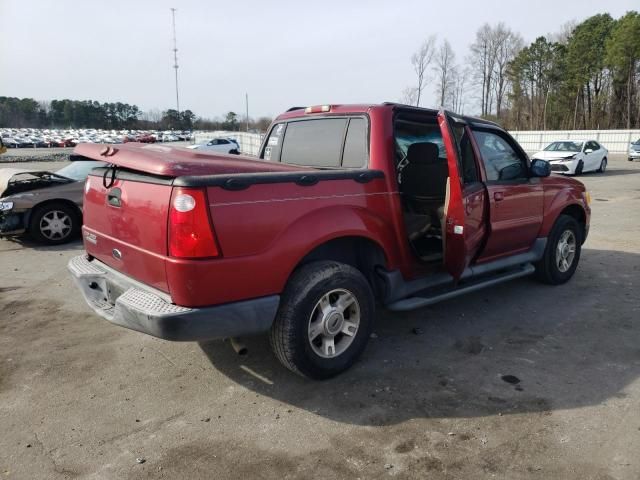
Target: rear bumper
x=125 y=302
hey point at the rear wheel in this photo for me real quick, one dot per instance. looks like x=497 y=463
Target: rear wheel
x=562 y=253
x=324 y=320
x=603 y=165
x=54 y=223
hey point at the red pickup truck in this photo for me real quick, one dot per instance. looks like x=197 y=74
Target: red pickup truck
x=347 y=207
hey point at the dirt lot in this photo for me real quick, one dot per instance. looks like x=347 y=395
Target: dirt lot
x=80 y=398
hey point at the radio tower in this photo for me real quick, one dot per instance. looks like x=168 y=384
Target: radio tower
x=175 y=55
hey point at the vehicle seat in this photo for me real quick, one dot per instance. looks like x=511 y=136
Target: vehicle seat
x=424 y=183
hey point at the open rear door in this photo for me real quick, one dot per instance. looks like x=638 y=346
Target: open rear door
x=456 y=257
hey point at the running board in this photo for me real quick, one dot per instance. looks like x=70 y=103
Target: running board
x=418 y=302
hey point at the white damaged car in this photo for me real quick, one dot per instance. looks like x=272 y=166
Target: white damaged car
x=574 y=157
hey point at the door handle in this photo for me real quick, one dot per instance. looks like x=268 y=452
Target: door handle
x=498 y=196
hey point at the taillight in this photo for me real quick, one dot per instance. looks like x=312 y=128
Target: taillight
x=191 y=233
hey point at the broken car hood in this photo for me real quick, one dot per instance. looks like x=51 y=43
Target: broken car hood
x=9 y=175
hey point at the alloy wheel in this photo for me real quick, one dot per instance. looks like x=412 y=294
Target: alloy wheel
x=55 y=225
x=566 y=251
x=333 y=323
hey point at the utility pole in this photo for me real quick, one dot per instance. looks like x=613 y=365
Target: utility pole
x=175 y=55
x=246 y=102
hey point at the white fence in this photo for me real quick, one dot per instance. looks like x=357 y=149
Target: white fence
x=249 y=142
x=616 y=141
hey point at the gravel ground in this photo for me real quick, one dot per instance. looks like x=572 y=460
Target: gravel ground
x=81 y=398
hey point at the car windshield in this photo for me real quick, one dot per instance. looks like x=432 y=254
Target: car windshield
x=79 y=169
x=564 y=147
x=637 y=142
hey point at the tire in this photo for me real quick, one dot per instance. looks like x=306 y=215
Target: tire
x=603 y=165
x=630 y=159
x=301 y=316
x=550 y=268
x=579 y=168
x=63 y=219
x=234 y=151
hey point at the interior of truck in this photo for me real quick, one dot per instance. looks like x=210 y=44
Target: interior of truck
x=421 y=165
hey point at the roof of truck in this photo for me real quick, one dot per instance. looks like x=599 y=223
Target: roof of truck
x=297 y=112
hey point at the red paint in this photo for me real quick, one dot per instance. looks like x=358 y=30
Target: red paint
x=263 y=232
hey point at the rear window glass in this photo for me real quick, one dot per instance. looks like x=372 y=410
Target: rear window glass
x=355 y=145
x=316 y=143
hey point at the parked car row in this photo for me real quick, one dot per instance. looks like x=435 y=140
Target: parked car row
x=45 y=138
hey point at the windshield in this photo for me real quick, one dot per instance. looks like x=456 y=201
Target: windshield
x=564 y=147
x=79 y=169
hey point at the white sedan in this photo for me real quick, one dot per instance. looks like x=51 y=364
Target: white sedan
x=222 y=145
x=574 y=156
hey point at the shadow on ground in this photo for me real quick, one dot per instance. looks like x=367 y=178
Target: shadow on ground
x=20 y=242
x=565 y=347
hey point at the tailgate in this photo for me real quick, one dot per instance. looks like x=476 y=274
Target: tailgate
x=125 y=226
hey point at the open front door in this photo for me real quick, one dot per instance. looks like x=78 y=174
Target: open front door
x=458 y=252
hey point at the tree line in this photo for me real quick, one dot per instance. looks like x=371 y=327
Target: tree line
x=30 y=113
x=587 y=76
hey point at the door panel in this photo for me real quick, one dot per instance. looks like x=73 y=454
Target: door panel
x=516 y=217
x=475 y=212
x=464 y=219
x=515 y=205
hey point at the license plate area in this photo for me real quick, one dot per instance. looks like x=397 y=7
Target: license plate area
x=104 y=290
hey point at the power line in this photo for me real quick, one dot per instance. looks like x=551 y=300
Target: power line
x=175 y=55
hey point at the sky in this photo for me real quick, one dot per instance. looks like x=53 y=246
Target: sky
x=281 y=53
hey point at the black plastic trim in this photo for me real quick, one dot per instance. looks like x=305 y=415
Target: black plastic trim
x=241 y=181
x=397 y=288
x=132 y=175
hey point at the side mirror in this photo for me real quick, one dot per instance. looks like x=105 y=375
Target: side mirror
x=588 y=150
x=540 y=168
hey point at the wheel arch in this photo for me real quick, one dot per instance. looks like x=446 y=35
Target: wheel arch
x=576 y=211
x=360 y=252
x=44 y=203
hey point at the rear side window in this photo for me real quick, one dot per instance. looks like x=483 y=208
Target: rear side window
x=316 y=143
x=355 y=145
x=323 y=143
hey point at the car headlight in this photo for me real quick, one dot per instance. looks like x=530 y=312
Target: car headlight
x=570 y=159
x=5 y=206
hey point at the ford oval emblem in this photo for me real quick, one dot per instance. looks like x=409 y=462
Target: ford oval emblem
x=117 y=254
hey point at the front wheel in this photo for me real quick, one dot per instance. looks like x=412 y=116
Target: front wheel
x=579 y=168
x=324 y=320
x=562 y=253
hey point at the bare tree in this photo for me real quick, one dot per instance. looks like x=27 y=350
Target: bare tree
x=482 y=62
x=458 y=90
x=421 y=61
x=445 y=71
x=566 y=30
x=409 y=96
x=506 y=45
